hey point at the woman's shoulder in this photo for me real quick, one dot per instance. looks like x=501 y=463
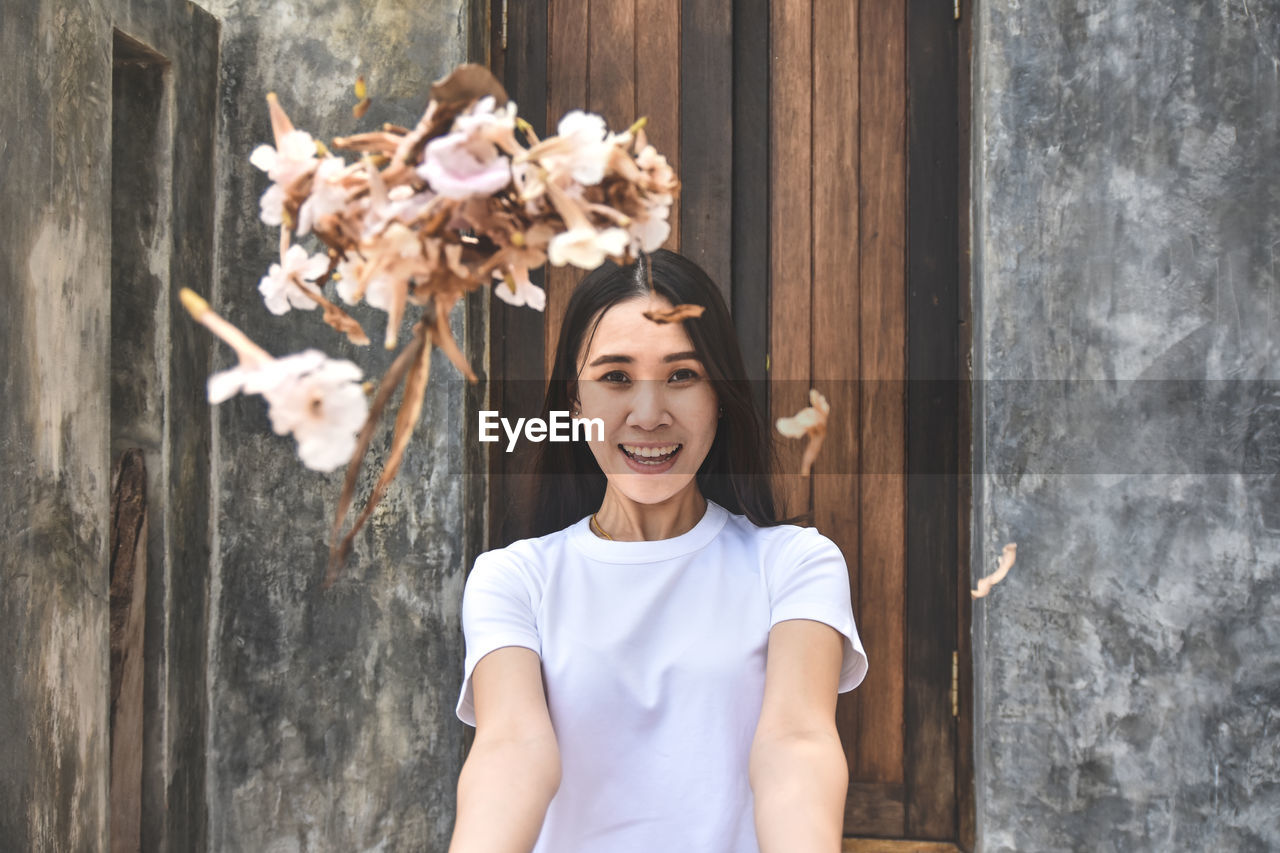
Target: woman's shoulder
x=531 y=554
x=776 y=535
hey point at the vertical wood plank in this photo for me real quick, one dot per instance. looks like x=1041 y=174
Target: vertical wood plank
x=657 y=30
x=790 y=236
x=750 y=306
x=882 y=235
x=128 y=620
x=568 y=37
x=835 y=297
x=516 y=340
x=611 y=62
x=932 y=415
x=966 y=804
x=706 y=138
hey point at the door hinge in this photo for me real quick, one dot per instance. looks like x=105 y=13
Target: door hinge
x=955 y=9
x=955 y=684
x=504 y=23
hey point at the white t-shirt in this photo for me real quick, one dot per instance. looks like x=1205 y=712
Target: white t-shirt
x=653 y=654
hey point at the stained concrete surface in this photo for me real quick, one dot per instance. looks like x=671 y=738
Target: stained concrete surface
x=1125 y=221
x=332 y=723
x=59 y=423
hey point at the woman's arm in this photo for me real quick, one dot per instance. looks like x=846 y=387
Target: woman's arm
x=513 y=768
x=798 y=772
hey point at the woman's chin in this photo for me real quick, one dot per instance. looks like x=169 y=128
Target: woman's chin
x=649 y=488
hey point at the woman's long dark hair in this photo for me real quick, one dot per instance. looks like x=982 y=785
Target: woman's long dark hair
x=568 y=483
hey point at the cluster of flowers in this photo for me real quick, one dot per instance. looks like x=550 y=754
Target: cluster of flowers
x=421 y=217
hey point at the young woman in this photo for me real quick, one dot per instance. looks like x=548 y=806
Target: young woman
x=658 y=670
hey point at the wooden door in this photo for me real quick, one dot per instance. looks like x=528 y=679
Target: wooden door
x=789 y=124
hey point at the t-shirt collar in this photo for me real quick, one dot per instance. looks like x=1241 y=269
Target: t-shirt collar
x=650 y=551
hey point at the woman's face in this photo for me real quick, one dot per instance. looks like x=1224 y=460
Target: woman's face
x=644 y=381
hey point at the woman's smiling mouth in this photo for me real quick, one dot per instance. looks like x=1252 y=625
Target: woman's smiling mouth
x=650 y=458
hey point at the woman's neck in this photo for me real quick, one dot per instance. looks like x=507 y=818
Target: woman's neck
x=626 y=520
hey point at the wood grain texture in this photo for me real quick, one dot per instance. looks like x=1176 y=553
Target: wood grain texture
x=835 y=306
x=568 y=45
x=875 y=808
x=516 y=339
x=932 y=414
x=882 y=428
x=886 y=845
x=791 y=237
x=966 y=804
x=657 y=86
x=128 y=620
x=706 y=138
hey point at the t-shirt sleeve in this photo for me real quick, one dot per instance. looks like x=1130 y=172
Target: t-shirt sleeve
x=498 y=607
x=810 y=580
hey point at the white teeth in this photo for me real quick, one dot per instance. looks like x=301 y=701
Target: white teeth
x=650 y=451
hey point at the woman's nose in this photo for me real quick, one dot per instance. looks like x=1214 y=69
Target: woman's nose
x=649 y=405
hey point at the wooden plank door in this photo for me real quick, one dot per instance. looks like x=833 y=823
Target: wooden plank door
x=790 y=126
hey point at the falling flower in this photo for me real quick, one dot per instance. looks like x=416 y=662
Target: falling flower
x=515 y=288
x=428 y=214
x=271 y=205
x=328 y=196
x=810 y=421
x=316 y=398
x=467 y=162
x=287 y=284
x=362 y=93
x=1008 y=554
x=586 y=247
x=295 y=156
x=322 y=404
x=650 y=232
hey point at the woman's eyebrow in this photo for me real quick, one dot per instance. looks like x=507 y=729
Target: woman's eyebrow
x=626 y=359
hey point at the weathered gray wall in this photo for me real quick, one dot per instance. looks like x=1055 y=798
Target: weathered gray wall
x=74 y=302
x=1126 y=168
x=332 y=723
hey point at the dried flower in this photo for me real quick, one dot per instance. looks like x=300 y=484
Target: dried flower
x=810 y=421
x=295 y=157
x=328 y=196
x=322 y=403
x=317 y=399
x=515 y=288
x=288 y=283
x=426 y=215
x=586 y=247
x=1007 y=555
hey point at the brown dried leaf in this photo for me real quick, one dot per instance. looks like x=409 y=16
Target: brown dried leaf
x=1008 y=554
x=442 y=336
x=674 y=314
x=467 y=83
x=340 y=320
x=411 y=356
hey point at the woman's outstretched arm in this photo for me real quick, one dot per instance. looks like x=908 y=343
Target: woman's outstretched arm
x=798 y=772
x=513 y=768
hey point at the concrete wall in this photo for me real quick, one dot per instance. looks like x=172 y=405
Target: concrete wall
x=324 y=720
x=1125 y=220
x=332 y=723
x=86 y=284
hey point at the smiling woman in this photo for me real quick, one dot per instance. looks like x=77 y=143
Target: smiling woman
x=623 y=664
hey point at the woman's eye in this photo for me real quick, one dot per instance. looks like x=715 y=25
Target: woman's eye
x=621 y=377
x=687 y=374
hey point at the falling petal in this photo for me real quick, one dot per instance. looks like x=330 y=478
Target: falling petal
x=1008 y=554
x=810 y=421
